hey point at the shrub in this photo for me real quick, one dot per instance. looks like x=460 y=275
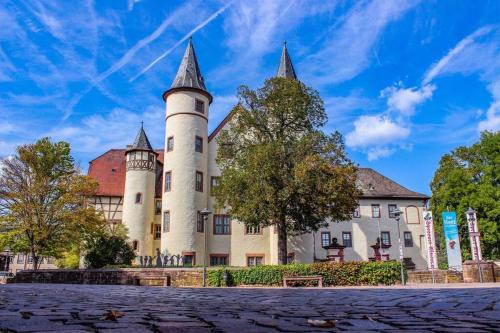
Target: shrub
x=334 y=274
x=108 y=250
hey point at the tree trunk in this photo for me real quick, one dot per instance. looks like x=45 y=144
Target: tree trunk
x=282 y=243
x=35 y=259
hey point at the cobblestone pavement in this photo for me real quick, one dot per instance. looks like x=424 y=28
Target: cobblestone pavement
x=92 y=308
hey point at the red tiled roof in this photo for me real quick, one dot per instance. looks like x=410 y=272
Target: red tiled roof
x=109 y=171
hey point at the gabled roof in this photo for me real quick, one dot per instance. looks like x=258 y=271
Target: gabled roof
x=286 y=69
x=376 y=185
x=141 y=141
x=109 y=171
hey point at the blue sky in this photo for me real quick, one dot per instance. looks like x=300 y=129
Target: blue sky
x=403 y=81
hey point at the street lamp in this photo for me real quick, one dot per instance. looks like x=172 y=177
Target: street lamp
x=397 y=214
x=205 y=212
x=471 y=219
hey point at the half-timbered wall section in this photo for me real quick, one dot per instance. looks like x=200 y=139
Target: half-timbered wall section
x=111 y=207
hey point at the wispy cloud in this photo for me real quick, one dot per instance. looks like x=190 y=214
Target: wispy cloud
x=348 y=49
x=182 y=40
x=405 y=100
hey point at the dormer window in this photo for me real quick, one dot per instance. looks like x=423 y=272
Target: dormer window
x=199 y=106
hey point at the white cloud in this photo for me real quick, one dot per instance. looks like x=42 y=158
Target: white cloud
x=379 y=152
x=492 y=121
x=405 y=100
x=376 y=130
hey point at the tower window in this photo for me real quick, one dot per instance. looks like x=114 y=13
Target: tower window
x=158 y=207
x=200 y=224
x=135 y=245
x=138 y=198
x=166 y=221
x=198 y=144
x=199 y=106
x=170 y=143
x=199 y=181
x=157 y=231
x=168 y=181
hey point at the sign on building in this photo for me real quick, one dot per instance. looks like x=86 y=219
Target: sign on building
x=475 y=239
x=452 y=240
x=432 y=263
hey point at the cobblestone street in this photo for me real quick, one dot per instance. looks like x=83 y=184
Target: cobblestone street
x=95 y=308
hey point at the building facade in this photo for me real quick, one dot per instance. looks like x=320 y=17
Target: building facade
x=158 y=194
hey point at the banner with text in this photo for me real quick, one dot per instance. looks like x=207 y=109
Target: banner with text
x=452 y=240
x=430 y=241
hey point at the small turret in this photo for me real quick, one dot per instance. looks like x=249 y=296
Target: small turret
x=139 y=195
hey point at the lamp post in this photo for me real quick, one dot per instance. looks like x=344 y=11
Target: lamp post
x=474 y=236
x=397 y=213
x=205 y=212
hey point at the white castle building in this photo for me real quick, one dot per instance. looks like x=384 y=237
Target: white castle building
x=158 y=194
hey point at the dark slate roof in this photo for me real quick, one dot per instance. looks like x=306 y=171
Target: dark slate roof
x=141 y=141
x=286 y=67
x=376 y=185
x=189 y=74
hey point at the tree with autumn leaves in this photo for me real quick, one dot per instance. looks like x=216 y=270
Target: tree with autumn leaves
x=43 y=207
x=277 y=166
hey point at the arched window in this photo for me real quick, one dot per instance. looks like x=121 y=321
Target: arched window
x=412 y=215
x=135 y=245
x=138 y=198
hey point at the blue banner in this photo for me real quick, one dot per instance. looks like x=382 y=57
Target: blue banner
x=452 y=240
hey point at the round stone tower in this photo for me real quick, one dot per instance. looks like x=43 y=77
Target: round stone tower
x=185 y=179
x=139 y=195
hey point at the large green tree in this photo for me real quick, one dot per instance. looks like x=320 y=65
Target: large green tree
x=470 y=177
x=42 y=201
x=278 y=167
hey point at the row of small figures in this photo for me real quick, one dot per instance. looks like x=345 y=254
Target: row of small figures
x=161 y=260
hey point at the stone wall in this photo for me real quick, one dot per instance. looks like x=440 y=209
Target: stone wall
x=489 y=269
x=440 y=276
x=175 y=277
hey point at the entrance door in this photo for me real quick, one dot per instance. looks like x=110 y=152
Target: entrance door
x=3 y=263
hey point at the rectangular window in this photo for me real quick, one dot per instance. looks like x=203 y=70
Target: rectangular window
x=188 y=259
x=199 y=106
x=376 y=211
x=30 y=259
x=218 y=259
x=157 y=231
x=346 y=239
x=357 y=212
x=214 y=182
x=386 y=238
x=198 y=144
x=170 y=143
x=199 y=181
x=392 y=208
x=158 y=207
x=253 y=230
x=325 y=238
x=138 y=198
x=166 y=221
x=168 y=181
x=200 y=224
x=222 y=225
x=20 y=258
x=255 y=260
x=408 y=239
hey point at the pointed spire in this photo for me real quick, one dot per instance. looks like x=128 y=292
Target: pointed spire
x=286 y=67
x=141 y=141
x=189 y=74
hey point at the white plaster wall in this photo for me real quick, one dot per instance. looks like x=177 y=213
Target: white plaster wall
x=139 y=217
x=183 y=202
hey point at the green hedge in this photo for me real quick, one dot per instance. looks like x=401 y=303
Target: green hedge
x=334 y=274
